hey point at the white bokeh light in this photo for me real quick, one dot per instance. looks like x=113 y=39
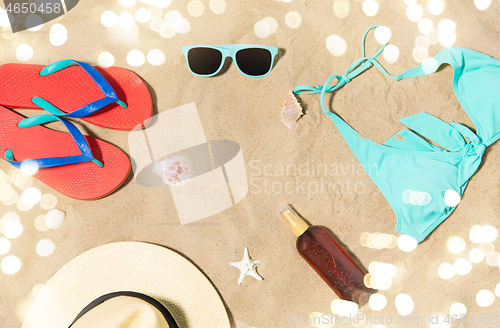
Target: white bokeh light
x=489 y=233
x=447 y=25
x=105 y=59
x=58 y=35
x=451 y=197
x=24 y=52
x=344 y=308
x=482 y=4
x=476 y=234
x=391 y=54
x=436 y=7
x=497 y=290
x=22 y=206
x=476 y=255
x=414 y=12
x=380 y=283
x=487 y=247
x=407 y=243
x=217 y=6
x=31 y=196
x=135 y=58
x=172 y=16
x=4 y=245
x=273 y=23
x=37 y=289
x=4 y=18
x=492 y=258
x=383 y=270
x=157 y=23
x=458 y=309
x=370 y=7
x=422 y=42
x=142 y=15
x=446 y=271
x=367 y=280
x=404 y=304
x=11 y=264
x=166 y=31
x=126 y=21
x=262 y=29
x=155 y=11
x=12 y=229
x=462 y=266
x=293 y=19
x=130 y=36
x=29 y=168
x=425 y=25
x=181 y=25
x=54 y=218
x=109 y=18
x=45 y=247
x=377 y=302
x=456 y=245
x=7 y=33
x=40 y=223
x=485 y=298
x=8 y=196
x=196 y=8
x=48 y=201
x=10 y=216
x=341 y=8
x=156 y=57
x=336 y=45
x=17 y=177
x=383 y=34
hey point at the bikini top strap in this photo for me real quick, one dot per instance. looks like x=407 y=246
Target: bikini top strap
x=431 y=65
x=356 y=68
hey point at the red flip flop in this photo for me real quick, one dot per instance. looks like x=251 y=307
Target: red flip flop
x=78 y=92
x=68 y=162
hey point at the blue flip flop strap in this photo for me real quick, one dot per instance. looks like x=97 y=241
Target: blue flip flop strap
x=41 y=163
x=107 y=90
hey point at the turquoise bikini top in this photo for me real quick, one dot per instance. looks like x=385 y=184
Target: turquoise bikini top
x=423 y=183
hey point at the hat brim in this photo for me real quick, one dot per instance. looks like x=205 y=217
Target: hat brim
x=149 y=269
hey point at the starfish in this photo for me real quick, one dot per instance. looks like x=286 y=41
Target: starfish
x=247 y=267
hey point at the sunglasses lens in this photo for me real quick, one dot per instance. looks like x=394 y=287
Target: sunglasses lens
x=254 y=61
x=204 y=61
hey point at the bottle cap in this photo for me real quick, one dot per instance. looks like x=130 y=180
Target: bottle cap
x=294 y=221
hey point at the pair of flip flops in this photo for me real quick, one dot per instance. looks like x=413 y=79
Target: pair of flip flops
x=77 y=166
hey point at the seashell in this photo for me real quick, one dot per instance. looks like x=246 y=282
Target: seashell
x=291 y=111
x=174 y=170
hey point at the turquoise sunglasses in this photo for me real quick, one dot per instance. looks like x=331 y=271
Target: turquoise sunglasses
x=250 y=59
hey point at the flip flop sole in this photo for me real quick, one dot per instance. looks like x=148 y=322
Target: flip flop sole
x=72 y=88
x=83 y=181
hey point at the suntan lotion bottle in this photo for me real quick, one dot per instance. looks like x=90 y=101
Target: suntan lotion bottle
x=328 y=259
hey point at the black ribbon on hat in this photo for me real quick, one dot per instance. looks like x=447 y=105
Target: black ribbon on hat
x=160 y=307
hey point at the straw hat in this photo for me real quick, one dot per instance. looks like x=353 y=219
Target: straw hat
x=152 y=270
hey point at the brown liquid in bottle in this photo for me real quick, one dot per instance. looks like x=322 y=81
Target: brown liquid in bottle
x=328 y=259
